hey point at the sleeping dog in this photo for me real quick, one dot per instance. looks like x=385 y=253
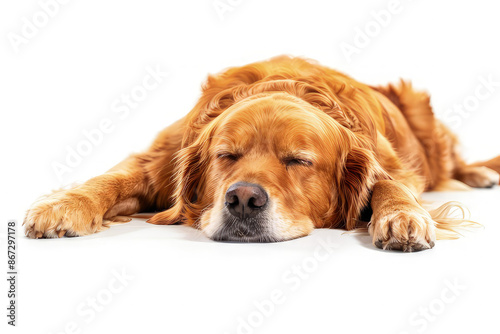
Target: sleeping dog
x=275 y=149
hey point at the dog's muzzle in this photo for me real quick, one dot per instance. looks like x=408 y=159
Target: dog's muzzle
x=244 y=217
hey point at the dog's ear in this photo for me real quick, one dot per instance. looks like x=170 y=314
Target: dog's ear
x=356 y=175
x=191 y=164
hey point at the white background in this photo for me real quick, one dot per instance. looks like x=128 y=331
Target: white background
x=64 y=80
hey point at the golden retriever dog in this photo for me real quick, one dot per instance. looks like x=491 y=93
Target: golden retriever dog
x=275 y=149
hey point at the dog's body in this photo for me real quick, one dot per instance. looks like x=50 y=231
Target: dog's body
x=275 y=149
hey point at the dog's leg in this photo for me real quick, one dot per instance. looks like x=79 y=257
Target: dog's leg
x=484 y=174
x=84 y=209
x=138 y=183
x=399 y=222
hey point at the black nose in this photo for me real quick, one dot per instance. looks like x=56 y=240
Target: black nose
x=245 y=200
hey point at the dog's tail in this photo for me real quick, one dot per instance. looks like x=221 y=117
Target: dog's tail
x=451 y=219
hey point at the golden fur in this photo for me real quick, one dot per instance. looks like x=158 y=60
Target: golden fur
x=322 y=145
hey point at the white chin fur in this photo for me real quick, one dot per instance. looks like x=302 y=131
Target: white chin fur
x=277 y=227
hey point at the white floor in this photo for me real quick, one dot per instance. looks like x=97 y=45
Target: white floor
x=142 y=278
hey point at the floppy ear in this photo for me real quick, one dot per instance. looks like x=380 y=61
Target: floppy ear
x=190 y=166
x=356 y=177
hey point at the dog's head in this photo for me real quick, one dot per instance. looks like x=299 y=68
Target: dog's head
x=270 y=168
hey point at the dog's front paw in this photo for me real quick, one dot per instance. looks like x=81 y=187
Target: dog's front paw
x=65 y=213
x=410 y=229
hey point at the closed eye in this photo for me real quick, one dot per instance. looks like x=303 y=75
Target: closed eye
x=297 y=162
x=228 y=156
